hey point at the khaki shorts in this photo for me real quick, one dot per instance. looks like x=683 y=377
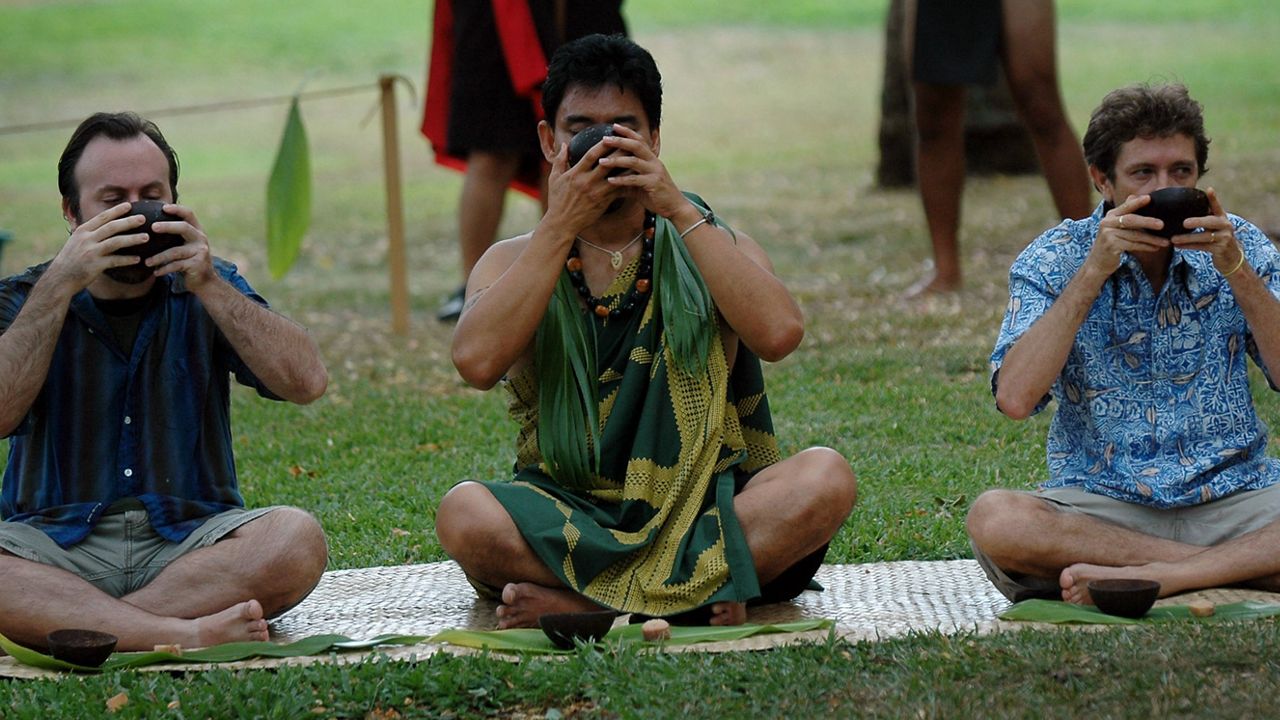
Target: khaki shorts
x=1208 y=524
x=123 y=553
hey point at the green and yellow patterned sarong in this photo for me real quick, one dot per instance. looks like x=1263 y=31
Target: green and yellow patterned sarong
x=655 y=533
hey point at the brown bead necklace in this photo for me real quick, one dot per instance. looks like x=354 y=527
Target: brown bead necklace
x=644 y=274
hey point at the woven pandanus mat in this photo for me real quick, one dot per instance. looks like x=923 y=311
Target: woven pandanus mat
x=867 y=602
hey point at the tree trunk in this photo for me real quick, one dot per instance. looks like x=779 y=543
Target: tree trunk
x=995 y=140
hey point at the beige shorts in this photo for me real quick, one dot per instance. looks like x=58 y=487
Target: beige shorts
x=123 y=553
x=1208 y=524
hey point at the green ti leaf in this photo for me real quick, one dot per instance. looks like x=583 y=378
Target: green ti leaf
x=568 y=400
x=288 y=196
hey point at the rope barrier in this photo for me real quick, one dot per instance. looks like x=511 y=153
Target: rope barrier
x=203 y=108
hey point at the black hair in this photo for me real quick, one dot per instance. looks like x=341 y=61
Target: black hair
x=595 y=61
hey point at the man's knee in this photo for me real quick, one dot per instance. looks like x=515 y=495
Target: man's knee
x=298 y=537
x=993 y=514
x=831 y=485
x=465 y=520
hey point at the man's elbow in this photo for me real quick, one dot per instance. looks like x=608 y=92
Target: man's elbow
x=1012 y=406
x=476 y=370
x=781 y=341
x=311 y=387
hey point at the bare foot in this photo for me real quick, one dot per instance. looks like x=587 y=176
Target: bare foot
x=523 y=603
x=1074 y=580
x=728 y=613
x=238 y=623
x=932 y=284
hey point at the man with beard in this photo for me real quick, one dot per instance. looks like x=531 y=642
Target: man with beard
x=120 y=505
x=629 y=327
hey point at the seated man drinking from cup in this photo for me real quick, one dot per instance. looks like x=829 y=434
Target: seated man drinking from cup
x=1140 y=332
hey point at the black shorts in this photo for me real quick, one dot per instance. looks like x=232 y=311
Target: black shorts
x=484 y=111
x=957 y=43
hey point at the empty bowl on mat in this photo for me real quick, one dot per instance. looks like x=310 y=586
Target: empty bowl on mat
x=89 y=648
x=564 y=629
x=1173 y=205
x=1123 y=596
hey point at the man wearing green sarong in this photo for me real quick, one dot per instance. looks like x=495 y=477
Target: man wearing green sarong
x=628 y=329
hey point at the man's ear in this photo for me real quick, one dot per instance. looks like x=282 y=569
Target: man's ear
x=1102 y=183
x=69 y=216
x=655 y=141
x=547 y=139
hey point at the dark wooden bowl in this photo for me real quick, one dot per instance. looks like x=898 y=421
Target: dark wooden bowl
x=88 y=648
x=1124 y=597
x=567 y=629
x=1173 y=205
x=153 y=211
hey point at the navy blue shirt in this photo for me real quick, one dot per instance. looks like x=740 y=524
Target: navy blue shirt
x=150 y=422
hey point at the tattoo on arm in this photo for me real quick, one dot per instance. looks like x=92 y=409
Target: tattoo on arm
x=474 y=297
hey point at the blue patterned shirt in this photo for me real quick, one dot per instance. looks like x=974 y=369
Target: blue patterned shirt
x=1154 y=405
x=152 y=422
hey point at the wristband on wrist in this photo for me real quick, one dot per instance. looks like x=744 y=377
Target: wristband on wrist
x=707 y=217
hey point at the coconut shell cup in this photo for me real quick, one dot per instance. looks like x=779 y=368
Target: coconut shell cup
x=1124 y=597
x=1174 y=205
x=586 y=139
x=153 y=211
x=87 y=648
x=567 y=629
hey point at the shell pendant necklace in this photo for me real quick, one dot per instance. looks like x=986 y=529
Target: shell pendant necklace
x=615 y=256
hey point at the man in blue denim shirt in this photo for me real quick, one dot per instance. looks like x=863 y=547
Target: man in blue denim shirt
x=120 y=503
x=1157 y=464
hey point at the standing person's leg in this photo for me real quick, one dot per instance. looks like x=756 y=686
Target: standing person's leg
x=484 y=193
x=1029 y=52
x=949 y=46
x=939 y=113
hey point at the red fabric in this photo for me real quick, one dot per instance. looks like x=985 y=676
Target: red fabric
x=526 y=64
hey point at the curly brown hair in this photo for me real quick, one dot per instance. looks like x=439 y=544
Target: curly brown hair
x=1143 y=111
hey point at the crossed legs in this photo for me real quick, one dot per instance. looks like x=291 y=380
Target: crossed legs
x=787 y=511
x=1026 y=535
x=220 y=593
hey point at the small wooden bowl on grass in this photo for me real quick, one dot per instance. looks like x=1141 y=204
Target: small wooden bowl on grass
x=1124 y=597
x=567 y=629
x=88 y=648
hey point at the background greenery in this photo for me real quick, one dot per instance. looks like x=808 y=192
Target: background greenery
x=771 y=113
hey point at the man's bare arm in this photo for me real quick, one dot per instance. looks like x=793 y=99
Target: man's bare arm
x=280 y=352
x=509 y=289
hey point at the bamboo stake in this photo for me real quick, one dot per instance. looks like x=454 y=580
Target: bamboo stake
x=396 y=258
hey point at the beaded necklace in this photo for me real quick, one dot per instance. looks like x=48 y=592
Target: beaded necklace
x=641 y=287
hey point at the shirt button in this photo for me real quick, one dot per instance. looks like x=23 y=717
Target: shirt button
x=128 y=472
x=127 y=420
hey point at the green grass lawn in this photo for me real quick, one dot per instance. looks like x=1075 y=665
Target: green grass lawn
x=771 y=114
